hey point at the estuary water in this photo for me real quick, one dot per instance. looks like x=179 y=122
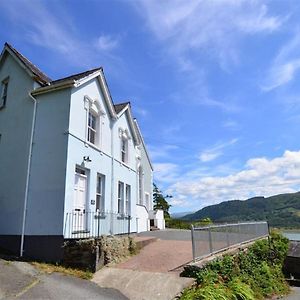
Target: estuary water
x=292 y=235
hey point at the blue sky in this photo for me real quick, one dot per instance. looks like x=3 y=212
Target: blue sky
x=215 y=85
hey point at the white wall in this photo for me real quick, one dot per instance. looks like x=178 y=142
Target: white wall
x=101 y=159
x=78 y=114
x=122 y=123
x=15 y=127
x=148 y=177
x=143 y=222
x=45 y=207
x=59 y=145
x=160 y=221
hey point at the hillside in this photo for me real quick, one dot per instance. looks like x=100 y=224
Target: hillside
x=280 y=210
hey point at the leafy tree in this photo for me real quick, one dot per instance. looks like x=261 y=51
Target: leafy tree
x=160 y=201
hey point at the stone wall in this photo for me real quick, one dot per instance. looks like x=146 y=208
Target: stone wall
x=92 y=254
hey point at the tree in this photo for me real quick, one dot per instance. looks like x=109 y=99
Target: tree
x=160 y=201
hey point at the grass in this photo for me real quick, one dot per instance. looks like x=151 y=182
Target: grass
x=51 y=268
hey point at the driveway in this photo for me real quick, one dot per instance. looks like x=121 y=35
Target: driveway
x=172 y=250
x=169 y=234
x=154 y=272
x=20 y=280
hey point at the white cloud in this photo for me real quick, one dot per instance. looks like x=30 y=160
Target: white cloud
x=230 y=124
x=161 y=151
x=285 y=65
x=213 y=25
x=216 y=151
x=56 y=31
x=165 y=172
x=140 y=111
x=261 y=176
x=107 y=42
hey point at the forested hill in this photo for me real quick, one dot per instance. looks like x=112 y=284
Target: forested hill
x=280 y=210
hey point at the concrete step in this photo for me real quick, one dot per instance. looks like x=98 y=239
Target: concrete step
x=140 y=285
x=142 y=241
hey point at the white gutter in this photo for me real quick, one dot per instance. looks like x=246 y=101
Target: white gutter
x=28 y=175
x=54 y=87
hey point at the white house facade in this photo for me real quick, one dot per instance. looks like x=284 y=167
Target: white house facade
x=72 y=163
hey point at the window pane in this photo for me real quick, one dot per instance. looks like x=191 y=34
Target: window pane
x=92 y=121
x=127 y=202
x=119 y=197
x=100 y=192
x=91 y=136
x=98 y=198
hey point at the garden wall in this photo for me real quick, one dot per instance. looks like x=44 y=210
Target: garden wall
x=92 y=254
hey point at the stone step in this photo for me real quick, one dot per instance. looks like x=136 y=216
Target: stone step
x=142 y=241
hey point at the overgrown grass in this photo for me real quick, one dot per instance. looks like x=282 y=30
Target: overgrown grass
x=51 y=268
x=250 y=275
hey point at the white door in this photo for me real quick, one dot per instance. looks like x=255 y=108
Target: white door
x=79 y=213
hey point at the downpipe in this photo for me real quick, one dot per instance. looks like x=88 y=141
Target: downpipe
x=28 y=174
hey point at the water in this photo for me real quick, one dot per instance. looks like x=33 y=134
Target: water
x=292 y=235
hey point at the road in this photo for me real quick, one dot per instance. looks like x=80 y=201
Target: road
x=20 y=280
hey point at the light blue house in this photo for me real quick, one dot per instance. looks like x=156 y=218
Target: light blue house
x=72 y=163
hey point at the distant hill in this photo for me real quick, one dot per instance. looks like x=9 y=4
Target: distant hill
x=181 y=214
x=280 y=210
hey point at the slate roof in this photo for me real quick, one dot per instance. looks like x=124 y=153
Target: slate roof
x=40 y=76
x=76 y=76
x=47 y=81
x=120 y=106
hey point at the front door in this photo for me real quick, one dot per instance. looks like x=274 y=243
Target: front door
x=79 y=208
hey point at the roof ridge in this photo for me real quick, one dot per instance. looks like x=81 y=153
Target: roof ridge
x=123 y=103
x=120 y=106
x=74 y=76
x=33 y=68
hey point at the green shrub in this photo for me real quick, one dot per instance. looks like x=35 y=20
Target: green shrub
x=251 y=274
x=240 y=290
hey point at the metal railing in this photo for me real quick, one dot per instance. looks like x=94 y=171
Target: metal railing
x=215 y=238
x=87 y=224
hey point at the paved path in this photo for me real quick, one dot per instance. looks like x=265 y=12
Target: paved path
x=294 y=295
x=139 y=285
x=20 y=280
x=153 y=273
x=160 y=256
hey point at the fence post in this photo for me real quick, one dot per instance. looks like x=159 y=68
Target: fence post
x=193 y=243
x=129 y=218
x=227 y=235
x=210 y=240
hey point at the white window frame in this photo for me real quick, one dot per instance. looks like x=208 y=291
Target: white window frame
x=4 y=88
x=124 y=150
x=94 y=109
x=92 y=131
x=100 y=193
x=120 y=198
x=127 y=199
x=124 y=145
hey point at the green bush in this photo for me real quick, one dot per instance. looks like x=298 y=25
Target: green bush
x=251 y=274
x=177 y=223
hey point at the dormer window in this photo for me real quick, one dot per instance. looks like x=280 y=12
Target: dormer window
x=92 y=128
x=94 y=121
x=124 y=151
x=3 y=98
x=124 y=143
